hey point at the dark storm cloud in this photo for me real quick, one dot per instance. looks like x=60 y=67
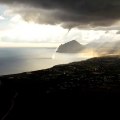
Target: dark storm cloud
x=71 y=13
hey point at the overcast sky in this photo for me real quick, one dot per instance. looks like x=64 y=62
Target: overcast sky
x=48 y=21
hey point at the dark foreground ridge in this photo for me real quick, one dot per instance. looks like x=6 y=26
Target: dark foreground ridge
x=22 y=94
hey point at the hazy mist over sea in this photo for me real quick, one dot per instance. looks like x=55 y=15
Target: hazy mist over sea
x=17 y=60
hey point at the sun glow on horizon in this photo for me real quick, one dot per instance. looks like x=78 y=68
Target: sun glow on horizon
x=88 y=53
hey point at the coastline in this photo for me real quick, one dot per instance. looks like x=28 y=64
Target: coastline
x=22 y=94
x=94 y=67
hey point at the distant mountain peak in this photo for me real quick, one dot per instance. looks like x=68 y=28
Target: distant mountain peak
x=72 y=41
x=70 y=47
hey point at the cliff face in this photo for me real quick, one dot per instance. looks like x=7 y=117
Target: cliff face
x=70 y=47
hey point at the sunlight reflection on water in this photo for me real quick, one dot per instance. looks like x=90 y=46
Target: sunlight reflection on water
x=17 y=60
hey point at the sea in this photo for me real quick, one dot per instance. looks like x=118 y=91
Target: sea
x=18 y=60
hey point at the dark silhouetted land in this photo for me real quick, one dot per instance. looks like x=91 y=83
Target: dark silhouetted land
x=70 y=47
x=23 y=95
